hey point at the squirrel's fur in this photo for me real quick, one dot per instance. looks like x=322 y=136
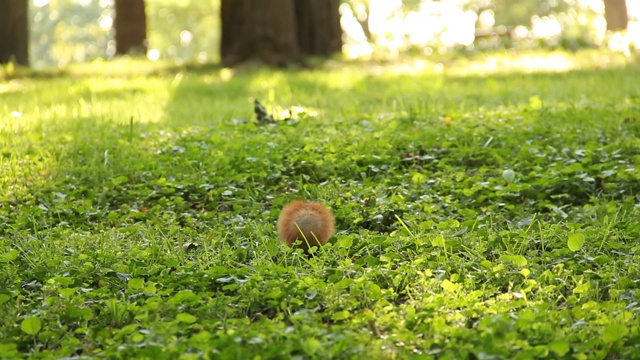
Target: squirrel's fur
x=310 y=222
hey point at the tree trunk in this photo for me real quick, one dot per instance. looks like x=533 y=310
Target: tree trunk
x=261 y=30
x=14 y=32
x=364 y=22
x=318 y=27
x=236 y=35
x=277 y=32
x=615 y=12
x=130 y=25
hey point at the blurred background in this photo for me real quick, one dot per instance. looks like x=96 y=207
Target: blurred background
x=67 y=31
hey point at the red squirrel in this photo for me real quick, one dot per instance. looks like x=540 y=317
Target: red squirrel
x=310 y=222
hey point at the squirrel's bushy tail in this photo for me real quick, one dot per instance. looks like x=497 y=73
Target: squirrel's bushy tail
x=310 y=222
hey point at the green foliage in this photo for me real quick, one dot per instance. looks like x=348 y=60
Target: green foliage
x=520 y=13
x=575 y=242
x=68 y=31
x=64 y=31
x=185 y=30
x=31 y=325
x=478 y=216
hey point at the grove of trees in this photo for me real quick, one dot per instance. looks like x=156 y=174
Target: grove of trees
x=130 y=26
x=615 y=12
x=14 y=31
x=278 y=32
x=275 y=32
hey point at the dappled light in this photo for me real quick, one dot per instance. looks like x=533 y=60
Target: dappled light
x=220 y=181
x=558 y=62
x=440 y=26
x=189 y=31
x=480 y=194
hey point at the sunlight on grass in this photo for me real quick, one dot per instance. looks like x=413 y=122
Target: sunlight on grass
x=270 y=85
x=497 y=63
x=546 y=63
x=482 y=209
x=553 y=62
x=11 y=86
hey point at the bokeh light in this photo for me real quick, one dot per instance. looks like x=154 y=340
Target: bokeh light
x=65 y=31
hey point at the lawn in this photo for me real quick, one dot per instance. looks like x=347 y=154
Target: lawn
x=484 y=210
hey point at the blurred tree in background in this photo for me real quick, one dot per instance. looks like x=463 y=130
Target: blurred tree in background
x=261 y=30
x=278 y=32
x=184 y=30
x=130 y=27
x=64 y=31
x=14 y=32
x=428 y=26
x=615 y=12
x=318 y=27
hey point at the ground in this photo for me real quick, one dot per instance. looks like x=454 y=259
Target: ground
x=485 y=209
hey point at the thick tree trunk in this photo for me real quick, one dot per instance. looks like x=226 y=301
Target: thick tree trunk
x=261 y=30
x=277 y=32
x=318 y=27
x=14 y=32
x=236 y=38
x=131 y=27
x=615 y=12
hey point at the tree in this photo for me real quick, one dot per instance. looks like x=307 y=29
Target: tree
x=263 y=30
x=318 y=27
x=615 y=12
x=278 y=32
x=130 y=25
x=14 y=32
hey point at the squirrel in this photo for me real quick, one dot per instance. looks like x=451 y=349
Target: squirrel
x=310 y=222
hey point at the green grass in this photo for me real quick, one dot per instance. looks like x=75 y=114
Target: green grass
x=480 y=215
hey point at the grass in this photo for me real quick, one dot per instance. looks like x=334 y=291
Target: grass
x=480 y=215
